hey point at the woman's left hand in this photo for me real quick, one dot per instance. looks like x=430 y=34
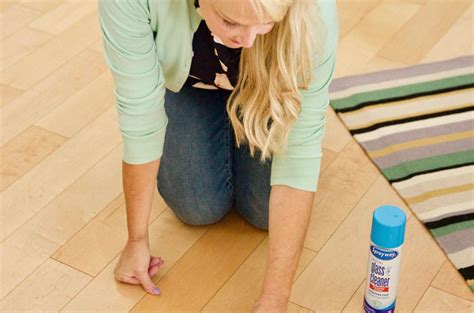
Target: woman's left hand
x=270 y=305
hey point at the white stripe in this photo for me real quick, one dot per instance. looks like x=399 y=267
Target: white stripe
x=435 y=121
x=399 y=82
x=442 y=183
x=432 y=176
x=463 y=258
x=457 y=207
x=442 y=201
x=359 y=119
x=437 y=183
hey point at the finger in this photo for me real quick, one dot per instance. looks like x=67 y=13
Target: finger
x=155 y=260
x=159 y=264
x=153 y=270
x=146 y=282
x=128 y=279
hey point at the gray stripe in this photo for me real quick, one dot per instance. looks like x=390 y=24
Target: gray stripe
x=345 y=82
x=399 y=157
x=438 y=218
x=457 y=241
x=413 y=134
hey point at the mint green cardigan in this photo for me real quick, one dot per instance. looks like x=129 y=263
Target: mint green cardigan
x=148 y=47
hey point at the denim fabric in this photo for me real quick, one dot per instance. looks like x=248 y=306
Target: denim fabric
x=202 y=173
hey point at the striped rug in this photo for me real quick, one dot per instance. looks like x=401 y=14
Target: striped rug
x=417 y=126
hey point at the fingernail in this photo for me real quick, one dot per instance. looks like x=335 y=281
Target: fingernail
x=156 y=290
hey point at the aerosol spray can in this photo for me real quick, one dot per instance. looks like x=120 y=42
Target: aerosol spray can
x=386 y=241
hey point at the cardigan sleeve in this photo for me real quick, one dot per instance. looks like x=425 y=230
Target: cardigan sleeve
x=299 y=165
x=131 y=55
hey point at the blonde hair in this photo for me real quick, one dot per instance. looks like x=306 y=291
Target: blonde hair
x=266 y=102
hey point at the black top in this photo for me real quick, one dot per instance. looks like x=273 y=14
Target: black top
x=213 y=64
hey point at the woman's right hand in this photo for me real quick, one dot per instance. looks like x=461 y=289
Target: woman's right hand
x=136 y=266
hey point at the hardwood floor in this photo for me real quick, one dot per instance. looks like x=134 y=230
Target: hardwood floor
x=63 y=221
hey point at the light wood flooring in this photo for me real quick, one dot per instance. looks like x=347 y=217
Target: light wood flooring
x=63 y=220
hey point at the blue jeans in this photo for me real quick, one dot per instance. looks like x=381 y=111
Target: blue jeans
x=202 y=173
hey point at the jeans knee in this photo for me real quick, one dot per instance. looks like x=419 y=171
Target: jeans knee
x=254 y=214
x=260 y=223
x=199 y=214
x=204 y=210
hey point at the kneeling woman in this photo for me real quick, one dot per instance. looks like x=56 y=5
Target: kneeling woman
x=222 y=104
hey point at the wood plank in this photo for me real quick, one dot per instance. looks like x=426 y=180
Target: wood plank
x=50 y=93
x=48 y=58
x=59 y=170
x=356 y=304
x=102 y=239
x=378 y=63
x=42 y=6
x=70 y=211
x=294 y=308
x=61 y=219
x=118 y=218
x=111 y=207
x=20 y=44
x=63 y=16
x=328 y=157
x=341 y=186
x=421 y=260
x=92 y=248
x=351 y=242
x=350 y=13
x=82 y=108
x=4 y=5
x=8 y=94
x=21 y=254
x=458 y=40
x=243 y=288
x=412 y=42
x=362 y=43
x=169 y=238
x=436 y=300
x=97 y=46
x=336 y=136
x=448 y=279
x=49 y=288
x=15 y=17
x=205 y=267
x=25 y=151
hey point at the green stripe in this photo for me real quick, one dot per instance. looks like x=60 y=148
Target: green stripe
x=380 y=94
x=448 y=229
x=420 y=165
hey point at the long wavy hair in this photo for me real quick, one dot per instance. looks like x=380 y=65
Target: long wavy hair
x=266 y=101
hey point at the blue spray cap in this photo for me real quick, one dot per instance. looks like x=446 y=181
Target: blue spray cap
x=388 y=226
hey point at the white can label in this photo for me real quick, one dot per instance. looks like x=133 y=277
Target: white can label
x=382 y=278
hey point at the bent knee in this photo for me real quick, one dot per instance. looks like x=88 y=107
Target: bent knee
x=255 y=213
x=197 y=211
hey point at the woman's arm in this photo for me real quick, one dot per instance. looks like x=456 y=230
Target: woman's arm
x=131 y=55
x=136 y=265
x=139 y=182
x=289 y=216
x=295 y=175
